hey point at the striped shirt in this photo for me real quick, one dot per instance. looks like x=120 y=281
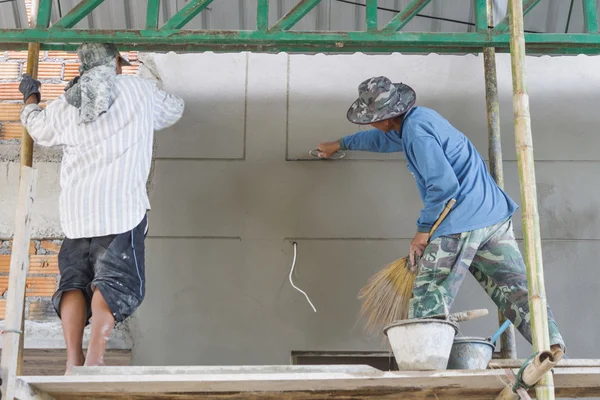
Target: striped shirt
x=105 y=162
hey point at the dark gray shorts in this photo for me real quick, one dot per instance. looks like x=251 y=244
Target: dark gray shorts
x=114 y=264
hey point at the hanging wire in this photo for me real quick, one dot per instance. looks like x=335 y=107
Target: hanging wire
x=569 y=17
x=456 y=21
x=292 y=282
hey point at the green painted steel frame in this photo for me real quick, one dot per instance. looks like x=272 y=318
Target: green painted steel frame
x=279 y=37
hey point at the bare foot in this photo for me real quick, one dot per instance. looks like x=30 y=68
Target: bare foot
x=75 y=363
x=99 y=362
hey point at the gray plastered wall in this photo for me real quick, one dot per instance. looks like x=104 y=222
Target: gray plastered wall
x=234 y=186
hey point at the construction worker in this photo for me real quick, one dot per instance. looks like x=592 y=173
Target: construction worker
x=105 y=124
x=477 y=235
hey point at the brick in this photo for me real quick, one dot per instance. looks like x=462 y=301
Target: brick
x=41 y=311
x=63 y=54
x=50 y=246
x=130 y=70
x=9 y=70
x=28 y=9
x=10 y=111
x=48 y=70
x=132 y=56
x=37 y=264
x=51 y=91
x=32 y=249
x=42 y=286
x=2 y=308
x=43 y=264
x=10 y=91
x=71 y=71
x=17 y=55
x=11 y=131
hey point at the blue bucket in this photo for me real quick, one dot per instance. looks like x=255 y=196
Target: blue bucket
x=470 y=353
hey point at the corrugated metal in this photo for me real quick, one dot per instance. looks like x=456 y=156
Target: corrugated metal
x=330 y=15
x=13 y=15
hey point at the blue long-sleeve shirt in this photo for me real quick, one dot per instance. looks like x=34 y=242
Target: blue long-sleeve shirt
x=445 y=165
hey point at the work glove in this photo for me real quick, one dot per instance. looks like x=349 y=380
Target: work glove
x=72 y=83
x=29 y=86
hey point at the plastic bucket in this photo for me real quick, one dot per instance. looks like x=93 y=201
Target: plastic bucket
x=470 y=353
x=421 y=344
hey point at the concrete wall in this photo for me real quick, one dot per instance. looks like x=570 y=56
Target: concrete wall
x=228 y=201
x=233 y=188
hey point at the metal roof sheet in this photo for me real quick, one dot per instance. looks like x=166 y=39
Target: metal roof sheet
x=330 y=15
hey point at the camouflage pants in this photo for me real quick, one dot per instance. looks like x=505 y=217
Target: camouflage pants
x=491 y=254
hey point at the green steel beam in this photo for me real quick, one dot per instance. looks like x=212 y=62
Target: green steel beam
x=186 y=14
x=152 y=14
x=527 y=6
x=77 y=13
x=481 y=16
x=371 y=15
x=262 y=15
x=44 y=13
x=304 y=42
x=404 y=16
x=296 y=14
x=590 y=16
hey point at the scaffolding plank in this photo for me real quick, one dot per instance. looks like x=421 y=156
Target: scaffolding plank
x=15 y=298
x=241 y=369
x=443 y=384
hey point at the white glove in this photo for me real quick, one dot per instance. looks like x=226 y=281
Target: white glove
x=148 y=69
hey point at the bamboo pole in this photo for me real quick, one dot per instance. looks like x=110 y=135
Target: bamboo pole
x=508 y=348
x=530 y=216
x=533 y=372
x=26 y=157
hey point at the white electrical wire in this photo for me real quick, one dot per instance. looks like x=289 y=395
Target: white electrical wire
x=292 y=282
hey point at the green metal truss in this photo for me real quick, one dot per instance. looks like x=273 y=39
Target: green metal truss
x=278 y=37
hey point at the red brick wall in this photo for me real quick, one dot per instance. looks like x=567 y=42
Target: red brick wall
x=56 y=68
x=41 y=280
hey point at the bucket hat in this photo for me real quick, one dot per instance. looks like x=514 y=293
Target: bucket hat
x=380 y=99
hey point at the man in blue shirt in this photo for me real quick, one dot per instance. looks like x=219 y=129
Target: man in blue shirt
x=476 y=236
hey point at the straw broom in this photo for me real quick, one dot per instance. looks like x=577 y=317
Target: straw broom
x=388 y=292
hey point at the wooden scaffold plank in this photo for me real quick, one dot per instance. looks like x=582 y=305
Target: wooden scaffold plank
x=15 y=298
x=482 y=384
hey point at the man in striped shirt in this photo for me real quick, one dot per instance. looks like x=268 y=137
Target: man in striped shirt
x=104 y=123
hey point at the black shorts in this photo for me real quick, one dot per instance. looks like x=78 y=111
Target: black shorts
x=114 y=264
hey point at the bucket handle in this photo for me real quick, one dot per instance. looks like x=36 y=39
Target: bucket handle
x=500 y=331
x=468 y=315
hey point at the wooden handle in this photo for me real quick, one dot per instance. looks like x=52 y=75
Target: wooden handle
x=442 y=216
x=468 y=315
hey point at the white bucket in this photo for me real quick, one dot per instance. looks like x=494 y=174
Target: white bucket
x=421 y=344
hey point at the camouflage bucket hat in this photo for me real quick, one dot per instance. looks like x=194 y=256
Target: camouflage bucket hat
x=95 y=54
x=380 y=99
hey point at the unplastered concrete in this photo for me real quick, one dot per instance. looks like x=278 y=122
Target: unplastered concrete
x=234 y=186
